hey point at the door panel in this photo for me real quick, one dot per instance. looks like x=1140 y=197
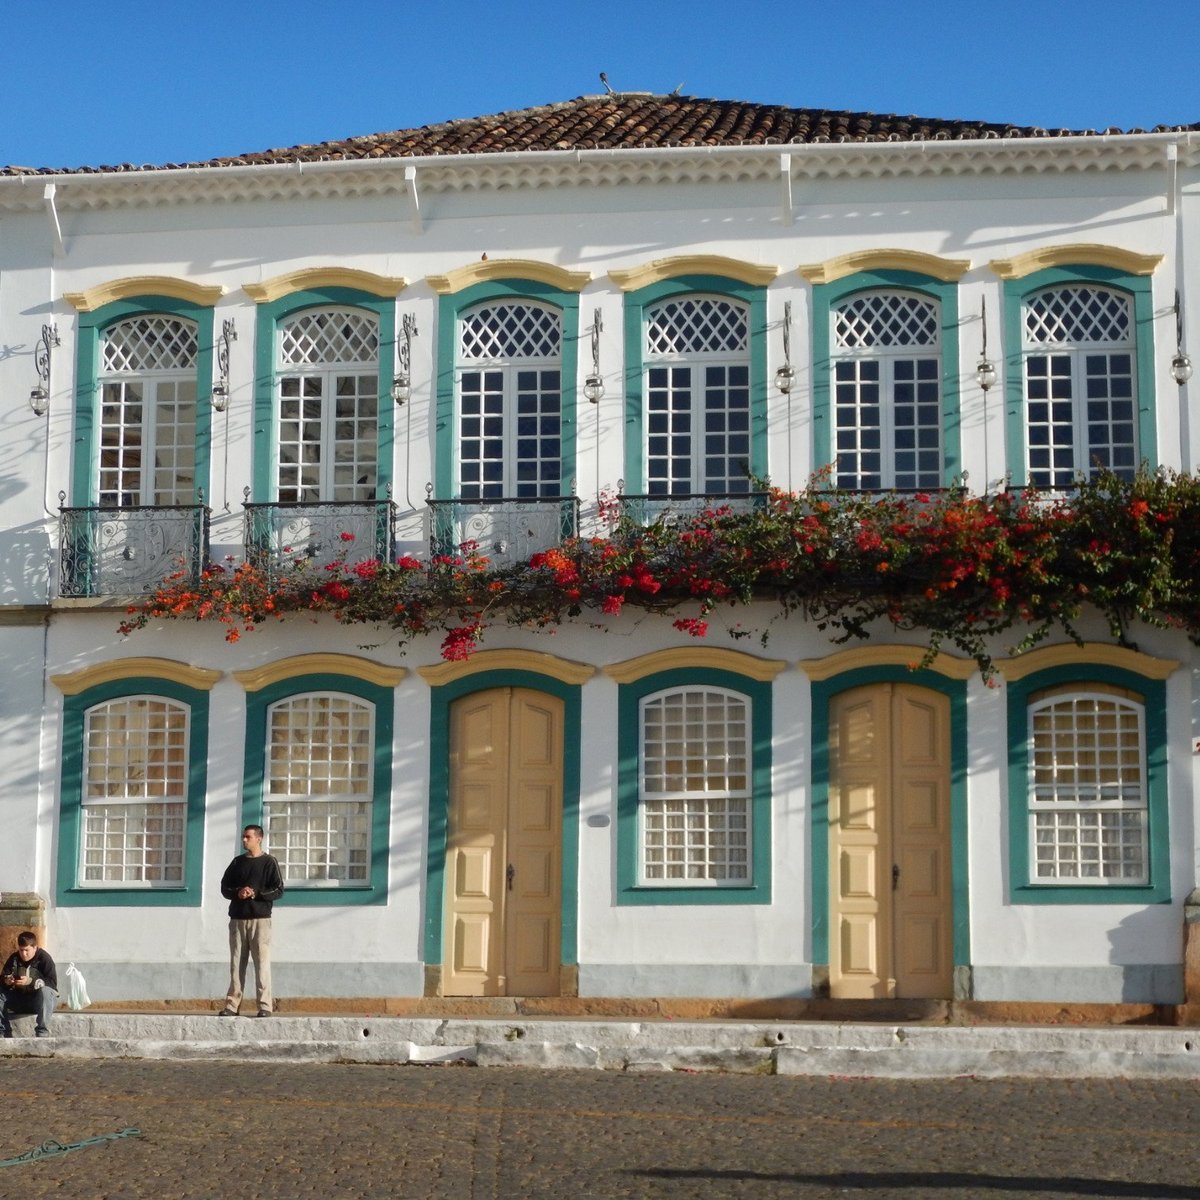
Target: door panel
x=504 y=845
x=889 y=830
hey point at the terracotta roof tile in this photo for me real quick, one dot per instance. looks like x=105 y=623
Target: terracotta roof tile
x=622 y=120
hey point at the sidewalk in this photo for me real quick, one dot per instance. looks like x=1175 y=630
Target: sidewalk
x=905 y=1049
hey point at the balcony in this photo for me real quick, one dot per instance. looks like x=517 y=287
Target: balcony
x=507 y=529
x=128 y=551
x=276 y=534
x=649 y=509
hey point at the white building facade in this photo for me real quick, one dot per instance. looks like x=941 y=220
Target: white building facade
x=614 y=808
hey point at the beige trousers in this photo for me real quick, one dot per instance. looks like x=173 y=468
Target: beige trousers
x=250 y=940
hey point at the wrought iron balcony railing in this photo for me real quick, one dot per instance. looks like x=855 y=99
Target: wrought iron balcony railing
x=507 y=529
x=647 y=509
x=129 y=551
x=277 y=534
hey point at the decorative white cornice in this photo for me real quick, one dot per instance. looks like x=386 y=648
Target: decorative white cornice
x=524 y=170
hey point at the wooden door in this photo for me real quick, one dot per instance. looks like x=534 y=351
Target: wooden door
x=889 y=843
x=503 y=916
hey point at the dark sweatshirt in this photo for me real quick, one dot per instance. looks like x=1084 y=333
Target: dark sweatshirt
x=40 y=966
x=263 y=875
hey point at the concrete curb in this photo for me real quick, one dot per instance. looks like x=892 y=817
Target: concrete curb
x=885 y=1051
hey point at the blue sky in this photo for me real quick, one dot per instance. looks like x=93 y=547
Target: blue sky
x=174 y=80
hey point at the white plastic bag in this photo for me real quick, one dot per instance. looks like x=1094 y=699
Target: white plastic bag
x=76 y=993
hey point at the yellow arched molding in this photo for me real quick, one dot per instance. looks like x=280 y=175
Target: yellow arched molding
x=1101 y=654
x=948 y=270
x=1065 y=256
x=562 y=669
x=755 y=274
x=314 y=277
x=74 y=682
x=508 y=268
x=950 y=665
x=258 y=678
x=710 y=658
x=144 y=285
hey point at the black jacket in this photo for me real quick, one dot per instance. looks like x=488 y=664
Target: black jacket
x=263 y=875
x=40 y=966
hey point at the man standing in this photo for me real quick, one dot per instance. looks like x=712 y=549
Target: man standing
x=251 y=884
x=28 y=984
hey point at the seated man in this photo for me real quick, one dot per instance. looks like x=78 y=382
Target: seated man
x=28 y=984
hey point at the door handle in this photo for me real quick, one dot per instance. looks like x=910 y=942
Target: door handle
x=895 y=876
x=508 y=875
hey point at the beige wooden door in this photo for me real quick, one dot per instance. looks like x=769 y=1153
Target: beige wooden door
x=503 y=900
x=889 y=843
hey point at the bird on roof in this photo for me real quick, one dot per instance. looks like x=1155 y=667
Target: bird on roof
x=604 y=80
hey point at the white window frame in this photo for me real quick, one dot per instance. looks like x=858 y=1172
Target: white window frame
x=1074 y=353
x=348 y=872
x=887 y=354
x=686 y=797
x=1122 y=798
x=508 y=365
x=136 y=759
x=696 y=363
x=149 y=380
x=328 y=373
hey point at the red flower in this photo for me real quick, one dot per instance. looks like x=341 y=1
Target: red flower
x=612 y=604
x=346 y=536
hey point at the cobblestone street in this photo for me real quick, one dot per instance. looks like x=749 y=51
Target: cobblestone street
x=213 y=1129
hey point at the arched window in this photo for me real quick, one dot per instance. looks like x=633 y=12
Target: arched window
x=510 y=401
x=328 y=368
x=147 y=439
x=319 y=787
x=695 y=787
x=887 y=404
x=1088 y=801
x=1080 y=395
x=135 y=793
x=697 y=356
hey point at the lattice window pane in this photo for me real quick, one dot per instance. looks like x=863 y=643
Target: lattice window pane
x=1088 y=799
x=320 y=841
x=319 y=787
x=695 y=787
x=329 y=336
x=1078 y=314
x=134 y=792
x=143 y=344
x=696 y=325
x=510 y=330
x=882 y=319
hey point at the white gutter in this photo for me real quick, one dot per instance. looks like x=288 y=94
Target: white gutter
x=798 y=149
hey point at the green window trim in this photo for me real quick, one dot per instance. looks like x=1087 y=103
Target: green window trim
x=91 y=327
x=636 y=303
x=1138 y=288
x=822 y=695
x=68 y=891
x=827 y=296
x=630 y=695
x=266 y=378
x=1157 y=890
x=258 y=704
x=441 y=698
x=450 y=307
